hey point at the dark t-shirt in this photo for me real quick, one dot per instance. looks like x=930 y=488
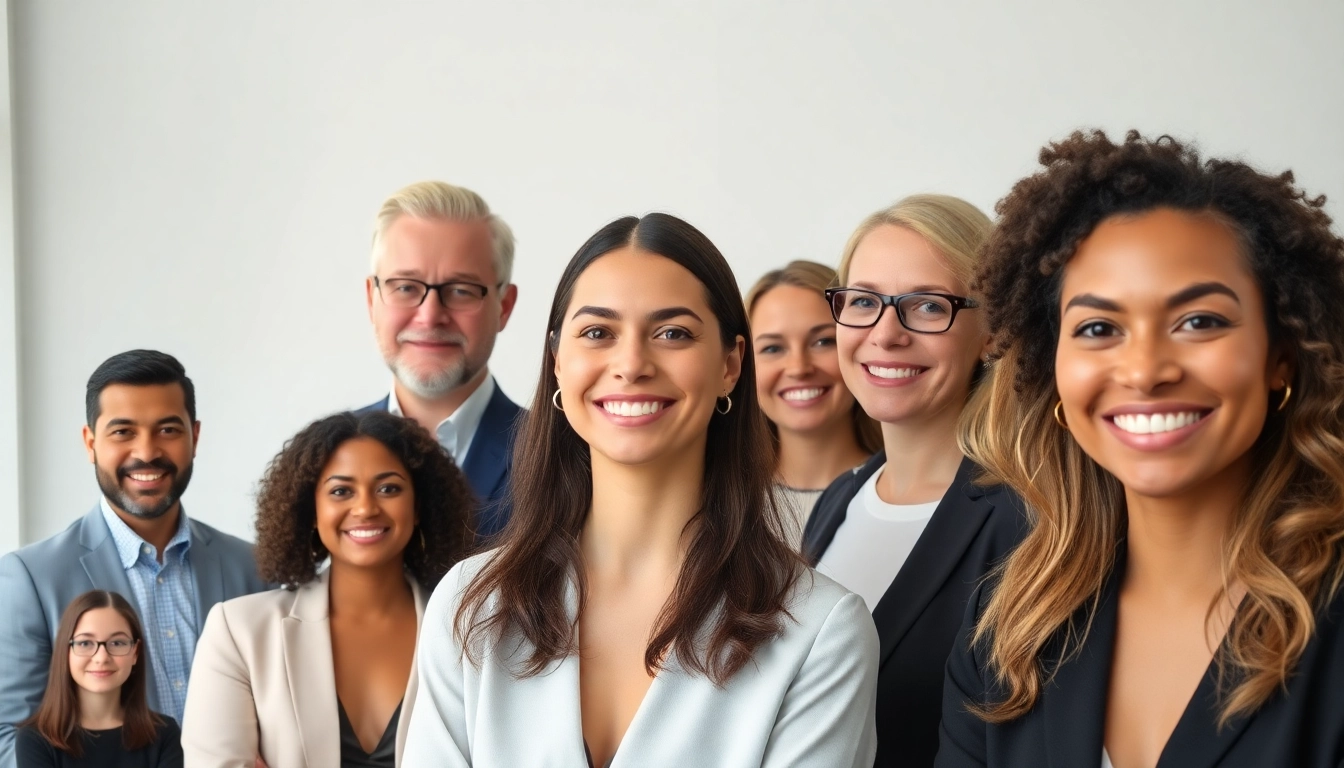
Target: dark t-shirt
x=102 y=749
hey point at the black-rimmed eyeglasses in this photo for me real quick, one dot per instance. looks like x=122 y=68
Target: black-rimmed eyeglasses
x=918 y=312
x=117 y=646
x=408 y=293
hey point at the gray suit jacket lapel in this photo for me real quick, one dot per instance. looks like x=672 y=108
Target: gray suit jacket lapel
x=208 y=571
x=102 y=563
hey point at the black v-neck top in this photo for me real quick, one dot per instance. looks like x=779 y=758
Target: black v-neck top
x=102 y=749
x=352 y=752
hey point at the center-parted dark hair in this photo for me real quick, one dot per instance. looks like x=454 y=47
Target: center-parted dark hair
x=287 y=549
x=57 y=718
x=731 y=593
x=137 y=368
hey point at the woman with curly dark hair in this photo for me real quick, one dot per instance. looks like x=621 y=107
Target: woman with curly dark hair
x=321 y=672
x=1169 y=403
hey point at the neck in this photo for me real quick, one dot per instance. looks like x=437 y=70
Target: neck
x=638 y=522
x=1175 y=543
x=430 y=412
x=367 y=592
x=100 y=711
x=157 y=532
x=922 y=459
x=811 y=460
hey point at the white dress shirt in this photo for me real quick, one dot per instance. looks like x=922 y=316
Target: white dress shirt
x=805 y=700
x=456 y=432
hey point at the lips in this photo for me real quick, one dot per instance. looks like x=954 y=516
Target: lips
x=366 y=535
x=147 y=475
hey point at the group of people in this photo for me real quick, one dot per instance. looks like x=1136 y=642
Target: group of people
x=1065 y=488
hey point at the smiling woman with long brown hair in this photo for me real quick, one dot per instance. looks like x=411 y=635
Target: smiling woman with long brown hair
x=1169 y=402
x=643 y=606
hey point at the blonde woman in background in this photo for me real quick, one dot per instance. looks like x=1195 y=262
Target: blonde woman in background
x=819 y=429
x=910 y=531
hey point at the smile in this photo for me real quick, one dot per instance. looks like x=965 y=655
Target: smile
x=803 y=394
x=366 y=534
x=142 y=477
x=893 y=373
x=1155 y=423
x=632 y=408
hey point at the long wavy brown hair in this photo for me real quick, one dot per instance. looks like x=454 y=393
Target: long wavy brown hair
x=57 y=717
x=734 y=583
x=815 y=277
x=1285 y=545
x=288 y=549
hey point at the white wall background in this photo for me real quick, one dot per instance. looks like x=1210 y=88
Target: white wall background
x=200 y=177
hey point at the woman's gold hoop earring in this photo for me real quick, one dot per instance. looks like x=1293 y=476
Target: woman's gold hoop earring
x=726 y=408
x=1287 y=393
x=555 y=400
x=1059 y=414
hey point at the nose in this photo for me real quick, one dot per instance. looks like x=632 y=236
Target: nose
x=799 y=364
x=630 y=360
x=146 y=446
x=1146 y=363
x=431 y=311
x=888 y=332
x=101 y=653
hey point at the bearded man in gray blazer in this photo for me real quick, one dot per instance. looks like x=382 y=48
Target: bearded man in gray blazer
x=141 y=438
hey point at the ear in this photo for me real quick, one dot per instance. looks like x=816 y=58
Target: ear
x=88 y=443
x=732 y=370
x=369 y=291
x=195 y=437
x=508 y=297
x=1282 y=366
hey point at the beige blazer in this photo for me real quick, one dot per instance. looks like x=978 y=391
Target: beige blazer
x=262 y=683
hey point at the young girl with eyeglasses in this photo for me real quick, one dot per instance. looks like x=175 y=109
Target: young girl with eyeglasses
x=94 y=712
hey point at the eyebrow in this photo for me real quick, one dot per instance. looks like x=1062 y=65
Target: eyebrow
x=1183 y=296
x=118 y=633
x=131 y=422
x=927 y=288
x=656 y=316
x=379 y=476
x=810 y=331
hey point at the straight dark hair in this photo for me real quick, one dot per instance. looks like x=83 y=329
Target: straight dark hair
x=138 y=368
x=57 y=718
x=731 y=595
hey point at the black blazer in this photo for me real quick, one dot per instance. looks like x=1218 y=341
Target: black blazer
x=1300 y=728
x=917 y=618
x=488 y=461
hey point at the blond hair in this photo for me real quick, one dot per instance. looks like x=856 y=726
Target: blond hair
x=955 y=228
x=815 y=277
x=438 y=200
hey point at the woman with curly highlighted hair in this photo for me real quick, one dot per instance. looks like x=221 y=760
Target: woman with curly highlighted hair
x=321 y=672
x=1168 y=402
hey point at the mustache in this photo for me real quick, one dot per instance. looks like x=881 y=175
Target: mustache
x=141 y=466
x=434 y=337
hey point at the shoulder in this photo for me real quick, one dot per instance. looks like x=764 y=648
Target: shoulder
x=167 y=729
x=818 y=605
x=42 y=553
x=381 y=405
x=226 y=543
x=248 y=612
x=441 y=610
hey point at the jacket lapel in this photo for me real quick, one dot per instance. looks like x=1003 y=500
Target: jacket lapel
x=1074 y=701
x=830 y=510
x=486 y=459
x=955 y=523
x=102 y=564
x=310 y=671
x=208 y=570
x=412 y=685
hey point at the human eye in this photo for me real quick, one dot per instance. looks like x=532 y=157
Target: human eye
x=83 y=645
x=824 y=341
x=339 y=492
x=1095 y=329
x=465 y=291
x=931 y=307
x=860 y=301
x=769 y=349
x=389 y=489
x=1203 y=322
x=119 y=644
x=673 y=333
x=595 y=333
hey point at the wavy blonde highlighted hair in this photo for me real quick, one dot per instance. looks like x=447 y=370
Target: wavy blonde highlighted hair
x=1285 y=545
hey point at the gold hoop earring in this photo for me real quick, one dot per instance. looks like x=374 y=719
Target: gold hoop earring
x=555 y=400
x=726 y=408
x=1287 y=393
x=1059 y=414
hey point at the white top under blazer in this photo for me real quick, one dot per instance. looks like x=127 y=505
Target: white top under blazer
x=806 y=698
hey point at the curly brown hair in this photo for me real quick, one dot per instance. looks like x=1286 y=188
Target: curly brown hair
x=1285 y=544
x=287 y=550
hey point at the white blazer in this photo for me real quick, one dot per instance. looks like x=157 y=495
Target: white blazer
x=263 y=682
x=807 y=698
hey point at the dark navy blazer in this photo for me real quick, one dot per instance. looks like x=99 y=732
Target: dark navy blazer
x=488 y=461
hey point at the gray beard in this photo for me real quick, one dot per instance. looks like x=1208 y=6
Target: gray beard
x=437 y=384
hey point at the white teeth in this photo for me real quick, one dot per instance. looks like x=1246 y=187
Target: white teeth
x=803 y=394
x=629 y=408
x=145 y=478
x=892 y=373
x=366 y=533
x=1157 y=423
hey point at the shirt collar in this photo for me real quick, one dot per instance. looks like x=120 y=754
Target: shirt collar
x=456 y=432
x=129 y=544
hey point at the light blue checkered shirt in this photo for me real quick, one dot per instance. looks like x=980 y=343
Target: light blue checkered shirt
x=166 y=597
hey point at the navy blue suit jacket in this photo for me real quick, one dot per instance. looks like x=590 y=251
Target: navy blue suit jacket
x=488 y=461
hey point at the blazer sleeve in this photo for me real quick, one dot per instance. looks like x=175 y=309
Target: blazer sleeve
x=962 y=735
x=438 y=731
x=25 y=652
x=219 y=722
x=828 y=715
